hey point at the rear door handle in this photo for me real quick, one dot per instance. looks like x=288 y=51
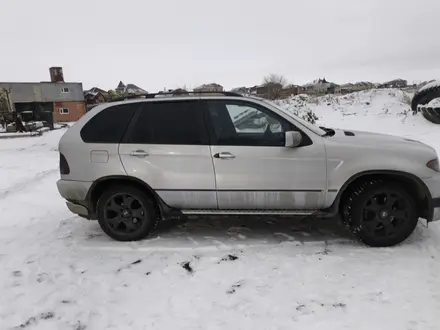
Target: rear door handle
x=224 y=155
x=139 y=153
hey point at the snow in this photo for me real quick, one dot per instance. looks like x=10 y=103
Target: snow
x=435 y=103
x=432 y=84
x=377 y=110
x=12 y=135
x=59 y=271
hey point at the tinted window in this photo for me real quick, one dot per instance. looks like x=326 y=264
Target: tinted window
x=246 y=124
x=170 y=122
x=108 y=126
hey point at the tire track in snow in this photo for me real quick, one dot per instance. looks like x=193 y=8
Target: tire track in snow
x=23 y=185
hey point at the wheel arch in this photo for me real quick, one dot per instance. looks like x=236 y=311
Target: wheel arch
x=414 y=185
x=100 y=185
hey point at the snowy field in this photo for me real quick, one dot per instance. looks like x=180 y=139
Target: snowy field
x=58 y=271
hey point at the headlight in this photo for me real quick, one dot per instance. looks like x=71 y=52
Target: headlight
x=434 y=165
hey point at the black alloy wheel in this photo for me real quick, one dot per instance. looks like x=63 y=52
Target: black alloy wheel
x=126 y=213
x=380 y=213
x=386 y=213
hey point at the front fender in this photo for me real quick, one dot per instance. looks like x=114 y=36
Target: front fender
x=333 y=196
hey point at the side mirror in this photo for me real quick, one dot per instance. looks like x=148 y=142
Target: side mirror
x=293 y=139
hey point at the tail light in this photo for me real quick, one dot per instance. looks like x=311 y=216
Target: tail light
x=64 y=166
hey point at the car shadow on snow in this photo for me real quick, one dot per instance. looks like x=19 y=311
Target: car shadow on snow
x=232 y=232
x=239 y=228
x=229 y=231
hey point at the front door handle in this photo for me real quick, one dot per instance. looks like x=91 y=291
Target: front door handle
x=139 y=153
x=224 y=155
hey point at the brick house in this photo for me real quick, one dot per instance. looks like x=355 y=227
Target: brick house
x=64 y=99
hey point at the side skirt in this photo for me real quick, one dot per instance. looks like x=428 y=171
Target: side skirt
x=249 y=212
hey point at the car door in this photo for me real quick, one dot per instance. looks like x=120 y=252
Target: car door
x=167 y=147
x=253 y=168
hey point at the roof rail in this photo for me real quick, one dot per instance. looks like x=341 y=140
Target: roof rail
x=179 y=93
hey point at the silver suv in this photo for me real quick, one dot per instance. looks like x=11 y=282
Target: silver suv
x=132 y=163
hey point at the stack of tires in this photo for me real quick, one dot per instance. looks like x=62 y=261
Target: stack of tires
x=423 y=97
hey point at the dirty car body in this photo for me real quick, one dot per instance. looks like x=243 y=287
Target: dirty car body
x=228 y=154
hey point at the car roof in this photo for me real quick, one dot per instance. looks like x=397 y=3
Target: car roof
x=162 y=97
x=175 y=95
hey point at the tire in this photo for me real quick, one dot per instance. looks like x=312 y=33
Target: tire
x=380 y=213
x=126 y=213
x=423 y=97
x=431 y=114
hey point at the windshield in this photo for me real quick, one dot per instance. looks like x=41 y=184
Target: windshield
x=310 y=126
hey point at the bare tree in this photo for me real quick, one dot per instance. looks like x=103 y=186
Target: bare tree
x=274 y=79
x=274 y=84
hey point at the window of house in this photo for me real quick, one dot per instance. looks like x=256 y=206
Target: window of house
x=64 y=90
x=109 y=125
x=170 y=122
x=246 y=124
x=64 y=111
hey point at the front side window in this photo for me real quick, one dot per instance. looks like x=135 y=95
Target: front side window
x=313 y=127
x=246 y=124
x=170 y=122
x=64 y=111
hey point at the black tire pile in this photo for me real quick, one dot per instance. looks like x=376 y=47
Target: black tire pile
x=423 y=97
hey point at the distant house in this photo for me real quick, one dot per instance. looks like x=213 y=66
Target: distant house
x=121 y=88
x=320 y=87
x=93 y=97
x=96 y=95
x=354 y=87
x=64 y=99
x=396 y=83
x=241 y=90
x=213 y=87
x=259 y=90
x=275 y=91
x=178 y=91
x=129 y=89
x=345 y=88
x=290 y=90
x=97 y=90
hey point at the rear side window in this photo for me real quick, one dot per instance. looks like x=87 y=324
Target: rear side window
x=108 y=126
x=170 y=122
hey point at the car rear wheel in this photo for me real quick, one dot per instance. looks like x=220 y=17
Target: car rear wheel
x=126 y=213
x=380 y=214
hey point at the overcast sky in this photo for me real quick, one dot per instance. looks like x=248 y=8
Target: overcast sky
x=157 y=44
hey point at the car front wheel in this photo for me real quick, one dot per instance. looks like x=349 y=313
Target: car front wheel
x=380 y=214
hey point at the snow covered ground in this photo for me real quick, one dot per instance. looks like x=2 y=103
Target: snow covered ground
x=58 y=271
